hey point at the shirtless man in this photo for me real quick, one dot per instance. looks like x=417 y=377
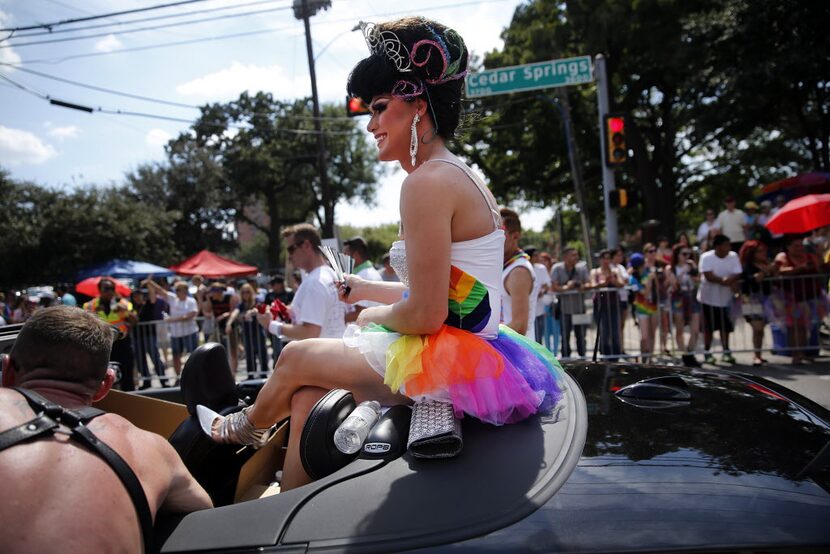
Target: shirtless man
x=57 y=494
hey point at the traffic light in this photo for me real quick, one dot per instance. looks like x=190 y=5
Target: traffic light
x=618 y=198
x=622 y=198
x=355 y=107
x=616 y=151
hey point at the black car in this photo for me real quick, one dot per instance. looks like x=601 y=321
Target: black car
x=638 y=458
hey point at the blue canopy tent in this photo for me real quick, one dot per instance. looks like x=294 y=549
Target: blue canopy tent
x=131 y=269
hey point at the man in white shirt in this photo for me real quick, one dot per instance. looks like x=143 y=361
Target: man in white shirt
x=721 y=270
x=518 y=300
x=357 y=248
x=315 y=310
x=731 y=223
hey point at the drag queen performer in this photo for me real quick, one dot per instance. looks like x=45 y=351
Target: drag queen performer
x=437 y=335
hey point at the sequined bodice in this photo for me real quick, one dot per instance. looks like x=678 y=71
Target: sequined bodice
x=474 y=288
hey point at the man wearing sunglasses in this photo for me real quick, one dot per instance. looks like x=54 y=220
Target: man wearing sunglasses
x=93 y=486
x=315 y=310
x=119 y=313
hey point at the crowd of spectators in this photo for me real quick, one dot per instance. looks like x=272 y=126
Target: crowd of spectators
x=675 y=291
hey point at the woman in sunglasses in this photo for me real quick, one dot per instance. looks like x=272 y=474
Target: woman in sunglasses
x=685 y=308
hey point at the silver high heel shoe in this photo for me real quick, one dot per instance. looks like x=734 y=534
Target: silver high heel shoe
x=235 y=428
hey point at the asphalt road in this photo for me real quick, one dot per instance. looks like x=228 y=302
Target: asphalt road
x=810 y=380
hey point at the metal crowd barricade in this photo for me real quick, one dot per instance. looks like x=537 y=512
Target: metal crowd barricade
x=152 y=349
x=786 y=313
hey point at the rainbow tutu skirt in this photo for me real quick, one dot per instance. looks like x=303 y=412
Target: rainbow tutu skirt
x=500 y=380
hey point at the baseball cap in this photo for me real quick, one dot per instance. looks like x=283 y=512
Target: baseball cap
x=356 y=241
x=636 y=260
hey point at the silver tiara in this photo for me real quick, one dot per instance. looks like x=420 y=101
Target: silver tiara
x=388 y=44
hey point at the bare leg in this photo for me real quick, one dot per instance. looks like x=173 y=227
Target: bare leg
x=678 y=331
x=293 y=473
x=323 y=363
x=177 y=364
x=694 y=331
x=757 y=337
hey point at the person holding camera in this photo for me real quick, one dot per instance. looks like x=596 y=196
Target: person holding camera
x=253 y=335
x=184 y=333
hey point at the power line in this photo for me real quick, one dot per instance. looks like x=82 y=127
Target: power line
x=148 y=98
x=141 y=29
x=101 y=16
x=154 y=46
x=102 y=89
x=72 y=105
x=145 y=19
x=246 y=33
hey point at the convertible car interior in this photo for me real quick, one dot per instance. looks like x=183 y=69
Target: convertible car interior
x=371 y=500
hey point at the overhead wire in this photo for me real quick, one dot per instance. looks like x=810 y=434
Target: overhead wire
x=246 y=33
x=102 y=89
x=100 y=16
x=147 y=98
x=146 y=19
x=111 y=111
x=142 y=29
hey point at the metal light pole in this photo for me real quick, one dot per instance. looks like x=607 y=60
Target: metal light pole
x=303 y=11
x=611 y=229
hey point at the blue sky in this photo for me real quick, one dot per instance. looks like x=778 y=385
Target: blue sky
x=60 y=147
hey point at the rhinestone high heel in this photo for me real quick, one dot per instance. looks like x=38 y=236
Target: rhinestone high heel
x=235 y=428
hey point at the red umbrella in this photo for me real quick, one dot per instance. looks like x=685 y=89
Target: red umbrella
x=89 y=286
x=801 y=215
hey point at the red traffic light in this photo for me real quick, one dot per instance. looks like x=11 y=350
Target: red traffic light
x=616 y=124
x=616 y=151
x=355 y=107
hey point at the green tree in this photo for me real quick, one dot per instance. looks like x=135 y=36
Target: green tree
x=54 y=233
x=721 y=95
x=259 y=153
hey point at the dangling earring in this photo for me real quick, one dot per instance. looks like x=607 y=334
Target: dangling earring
x=413 y=143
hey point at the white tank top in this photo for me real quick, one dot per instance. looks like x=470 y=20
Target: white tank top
x=507 y=301
x=474 y=292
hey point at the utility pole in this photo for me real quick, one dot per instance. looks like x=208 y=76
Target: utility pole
x=611 y=229
x=576 y=171
x=304 y=9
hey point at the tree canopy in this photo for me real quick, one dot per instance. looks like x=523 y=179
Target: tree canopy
x=252 y=161
x=721 y=95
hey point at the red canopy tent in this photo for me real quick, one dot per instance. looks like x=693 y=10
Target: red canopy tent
x=208 y=264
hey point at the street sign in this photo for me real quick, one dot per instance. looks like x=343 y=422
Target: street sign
x=533 y=76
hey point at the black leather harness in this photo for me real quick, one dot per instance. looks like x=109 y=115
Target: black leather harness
x=53 y=418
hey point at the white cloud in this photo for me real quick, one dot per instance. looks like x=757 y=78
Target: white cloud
x=108 y=44
x=228 y=83
x=7 y=55
x=64 y=132
x=157 y=137
x=19 y=147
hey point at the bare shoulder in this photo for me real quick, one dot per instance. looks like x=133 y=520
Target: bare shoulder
x=136 y=440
